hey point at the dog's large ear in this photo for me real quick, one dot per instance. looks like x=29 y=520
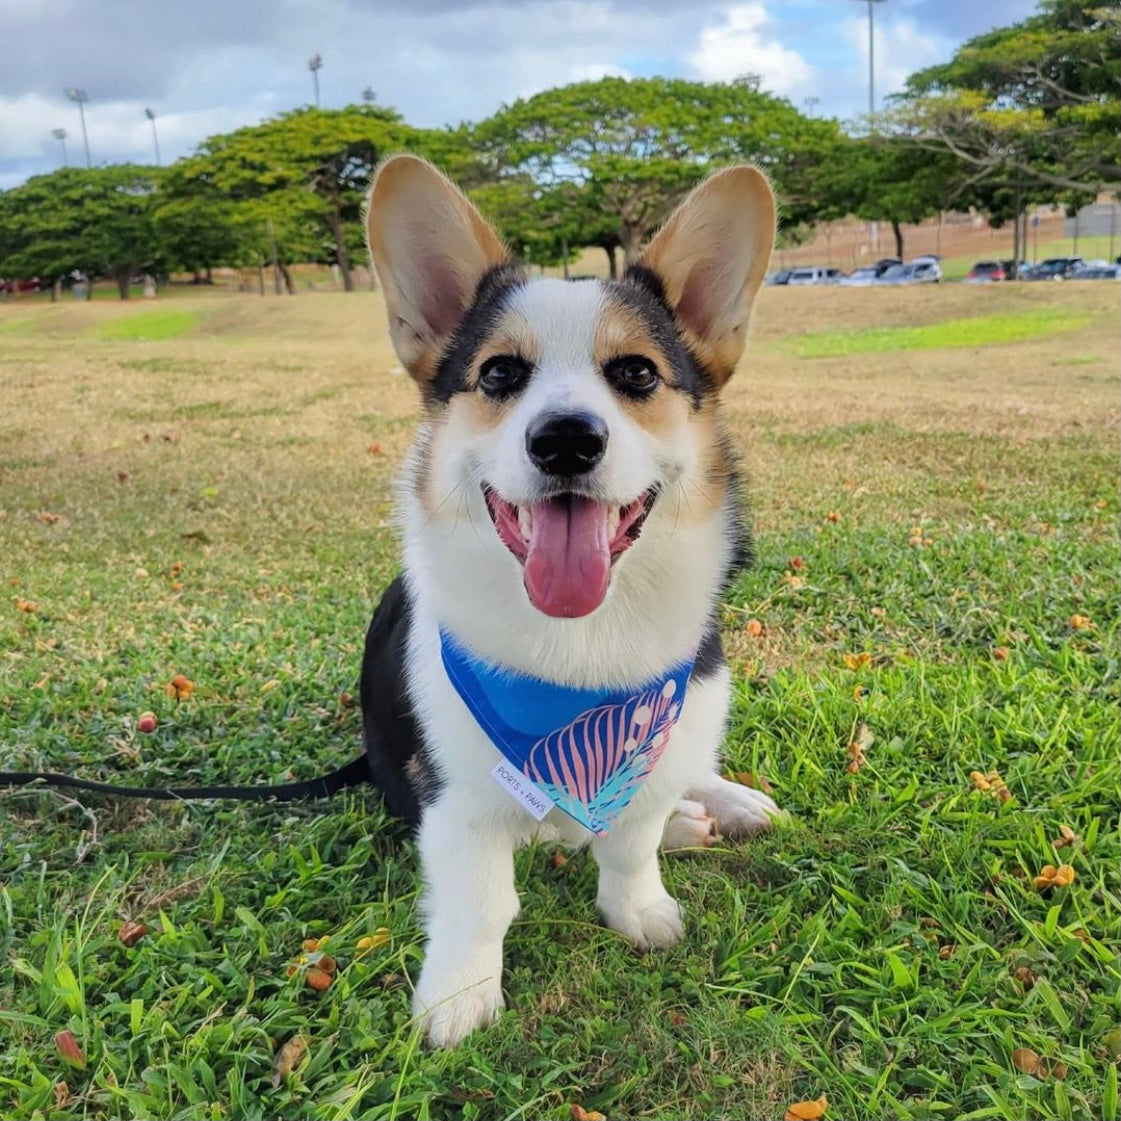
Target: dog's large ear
x=430 y=247
x=711 y=256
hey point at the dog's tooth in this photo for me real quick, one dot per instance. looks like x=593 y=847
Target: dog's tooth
x=525 y=522
x=612 y=522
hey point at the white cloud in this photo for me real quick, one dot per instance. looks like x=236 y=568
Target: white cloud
x=740 y=44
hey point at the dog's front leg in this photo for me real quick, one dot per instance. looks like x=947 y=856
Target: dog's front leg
x=471 y=900
x=631 y=896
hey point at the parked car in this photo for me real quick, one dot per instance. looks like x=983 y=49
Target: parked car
x=1095 y=271
x=985 y=271
x=914 y=272
x=885 y=263
x=781 y=276
x=813 y=275
x=1055 y=268
x=862 y=277
x=14 y=287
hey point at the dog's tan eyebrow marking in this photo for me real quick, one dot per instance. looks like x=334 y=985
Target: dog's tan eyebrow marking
x=511 y=335
x=621 y=331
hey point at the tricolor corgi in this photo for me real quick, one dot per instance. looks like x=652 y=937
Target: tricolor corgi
x=549 y=662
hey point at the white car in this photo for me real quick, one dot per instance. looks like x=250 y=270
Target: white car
x=919 y=271
x=862 y=277
x=802 y=277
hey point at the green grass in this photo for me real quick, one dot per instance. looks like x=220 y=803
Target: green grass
x=149 y=326
x=976 y=331
x=871 y=949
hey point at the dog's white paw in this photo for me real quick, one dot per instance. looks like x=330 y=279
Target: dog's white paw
x=653 y=926
x=739 y=810
x=690 y=827
x=451 y=1009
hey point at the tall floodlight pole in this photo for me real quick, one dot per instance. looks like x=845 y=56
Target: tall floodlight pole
x=752 y=81
x=873 y=227
x=60 y=135
x=315 y=64
x=811 y=103
x=872 y=60
x=81 y=97
x=368 y=95
x=151 y=115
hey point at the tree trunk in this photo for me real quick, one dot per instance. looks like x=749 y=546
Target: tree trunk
x=122 y=283
x=89 y=287
x=56 y=289
x=334 y=220
x=612 y=263
x=631 y=239
x=289 y=283
x=209 y=275
x=261 y=277
x=895 y=229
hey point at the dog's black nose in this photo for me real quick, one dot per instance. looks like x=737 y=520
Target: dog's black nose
x=566 y=443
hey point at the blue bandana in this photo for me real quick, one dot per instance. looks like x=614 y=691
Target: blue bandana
x=583 y=750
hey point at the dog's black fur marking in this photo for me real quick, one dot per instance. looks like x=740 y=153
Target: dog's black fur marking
x=394 y=743
x=491 y=297
x=641 y=291
x=710 y=653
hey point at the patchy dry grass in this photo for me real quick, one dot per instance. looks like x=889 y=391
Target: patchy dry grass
x=218 y=504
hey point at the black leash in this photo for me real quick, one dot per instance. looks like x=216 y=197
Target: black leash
x=354 y=773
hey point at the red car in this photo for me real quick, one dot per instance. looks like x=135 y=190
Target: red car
x=987 y=270
x=15 y=286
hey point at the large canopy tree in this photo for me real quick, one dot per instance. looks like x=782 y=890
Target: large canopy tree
x=639 y=145
x=97 y=221
x=1037 y=103
x=884 y=179
x=302 y=175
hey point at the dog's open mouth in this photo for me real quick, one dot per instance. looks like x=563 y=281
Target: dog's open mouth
x=567 y=545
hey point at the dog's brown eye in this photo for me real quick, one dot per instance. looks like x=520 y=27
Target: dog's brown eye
x=503 y=375
x=633 y=375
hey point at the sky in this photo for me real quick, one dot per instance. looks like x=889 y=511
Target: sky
x=208 y=66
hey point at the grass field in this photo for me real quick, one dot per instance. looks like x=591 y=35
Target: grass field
x=203 y=488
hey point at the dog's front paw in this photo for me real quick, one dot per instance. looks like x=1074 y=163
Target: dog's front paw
x=451 y=1007
x=690 y=827
x=653 y=926
x=739 y=810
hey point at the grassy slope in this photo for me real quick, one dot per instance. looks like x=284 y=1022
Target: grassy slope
x=867 y=950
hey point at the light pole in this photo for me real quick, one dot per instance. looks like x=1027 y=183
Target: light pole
x=60 y=135
x=81 y=97
x=315 y=64
x=871 y=61
x=811 y=103
x=151 y=115
x=873 y=227
x=368 y=95
x=752 y=81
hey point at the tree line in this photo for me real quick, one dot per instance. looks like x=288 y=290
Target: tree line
x=1023 y=114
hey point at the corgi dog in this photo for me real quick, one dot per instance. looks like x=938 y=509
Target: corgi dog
x=549 y=662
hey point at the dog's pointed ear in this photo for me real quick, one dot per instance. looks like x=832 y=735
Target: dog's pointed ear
x=710 y=258
x=430 y=247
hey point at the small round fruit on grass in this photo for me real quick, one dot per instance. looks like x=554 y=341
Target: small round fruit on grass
x=317 y=979
x=146 y=722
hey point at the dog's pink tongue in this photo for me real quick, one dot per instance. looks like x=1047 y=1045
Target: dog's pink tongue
x=569 y=559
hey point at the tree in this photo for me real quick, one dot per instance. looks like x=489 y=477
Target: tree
x=884 y=179
x=307 y=171
x=1037 y=102
x=98 y=221
x=639 y=145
